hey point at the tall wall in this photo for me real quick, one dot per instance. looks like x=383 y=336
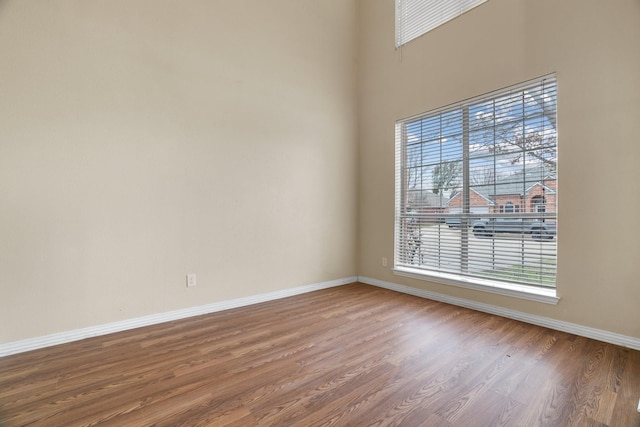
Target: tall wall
x=594 y=47
x=143 y=140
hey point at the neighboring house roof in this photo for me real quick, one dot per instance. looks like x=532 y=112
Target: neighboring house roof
x=425 y=198
x=546 y=188
x=489 y=201
x=517 y=184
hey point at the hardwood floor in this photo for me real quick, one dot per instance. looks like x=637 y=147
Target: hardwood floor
x=353 y=355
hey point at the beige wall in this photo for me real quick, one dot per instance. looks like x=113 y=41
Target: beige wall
x=594 y=47
x=143 y=140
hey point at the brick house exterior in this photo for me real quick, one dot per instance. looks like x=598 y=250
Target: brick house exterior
x=476 y=199
x=426 y=202
x=510 y=195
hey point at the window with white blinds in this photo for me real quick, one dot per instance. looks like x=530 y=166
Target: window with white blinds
x=476 y=188
x=416 y=17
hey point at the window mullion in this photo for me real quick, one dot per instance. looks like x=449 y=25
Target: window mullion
x=524 y=176
x=464 y=220
x=439 y=243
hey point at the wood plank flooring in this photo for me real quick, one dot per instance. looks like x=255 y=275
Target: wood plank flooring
x=354 y=355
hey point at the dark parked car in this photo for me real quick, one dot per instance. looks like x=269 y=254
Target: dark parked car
x=453 y=222
x=538 y=229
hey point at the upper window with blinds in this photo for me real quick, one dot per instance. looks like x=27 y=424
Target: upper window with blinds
x=416 y=17
x=476 y=189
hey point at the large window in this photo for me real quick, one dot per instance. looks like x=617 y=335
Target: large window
x=416 y=17
x=476 y=189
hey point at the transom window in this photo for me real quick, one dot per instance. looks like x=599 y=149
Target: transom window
x=416 y=17
x=476 y=189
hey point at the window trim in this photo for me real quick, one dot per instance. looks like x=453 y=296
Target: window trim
x=531 y=293
x=542 y=294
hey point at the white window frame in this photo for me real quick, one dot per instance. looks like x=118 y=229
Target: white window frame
x=407 y=268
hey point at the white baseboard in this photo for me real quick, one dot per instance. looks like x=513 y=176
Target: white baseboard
x=584 y=331
x=93 y=331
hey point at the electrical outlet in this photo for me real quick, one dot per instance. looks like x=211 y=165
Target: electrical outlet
x=191 y=280
x=384 y=261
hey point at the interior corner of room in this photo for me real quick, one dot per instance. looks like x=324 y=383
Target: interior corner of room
x=140 y=145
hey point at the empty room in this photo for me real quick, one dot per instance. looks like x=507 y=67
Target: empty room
x=319 y=212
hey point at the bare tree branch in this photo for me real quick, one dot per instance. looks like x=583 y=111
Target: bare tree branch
x=445 y=177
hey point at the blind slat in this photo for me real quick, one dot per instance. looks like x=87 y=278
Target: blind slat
x=416 y=17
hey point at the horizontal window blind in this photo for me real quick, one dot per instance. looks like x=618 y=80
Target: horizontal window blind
x=476 y=187
x=416 y=17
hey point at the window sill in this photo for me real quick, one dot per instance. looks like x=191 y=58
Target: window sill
x=532 y=293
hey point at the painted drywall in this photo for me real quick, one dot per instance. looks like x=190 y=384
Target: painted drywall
x=594 y=47
x=144 y=140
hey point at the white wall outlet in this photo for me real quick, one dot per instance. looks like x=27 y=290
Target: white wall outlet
x=191 y=280
x=384 y=261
